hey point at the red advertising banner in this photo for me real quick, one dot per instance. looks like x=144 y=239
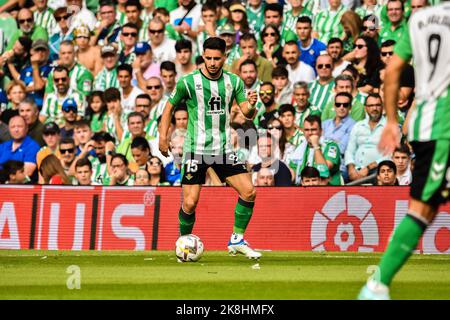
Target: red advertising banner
x=131 y=218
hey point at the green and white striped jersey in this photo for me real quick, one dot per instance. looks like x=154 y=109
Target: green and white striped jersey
x=300 y=116
x=427 y=39
x=121 y=17
x=100 y=171
x=53 y=104
x=106 y=79
x=327 y=24
x=312 y=6
x=46 y=20
x=234 y=53
x=110 y=125
x=209 y=103
x=290 y=21
x=297 y=138
x=157 y=110
x=320 y=94
x=80 y=78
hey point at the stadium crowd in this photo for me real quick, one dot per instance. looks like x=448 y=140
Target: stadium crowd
x=83 y=85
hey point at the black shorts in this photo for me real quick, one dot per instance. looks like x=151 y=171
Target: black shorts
x=195 y=166
x=431 y=174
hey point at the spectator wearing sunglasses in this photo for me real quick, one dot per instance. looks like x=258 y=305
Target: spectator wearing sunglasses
x=322 y=88
x=67 y=150
x=27 y=27
x=61 y=17
x=269 y=109
x=370 y=27
x=163 y=48
x=69 y=113
x=366 y=59
x=338 y=128
x=155 y=89
x=345 y=83
x=128 y=40
x=407 y=83
x=53 y=103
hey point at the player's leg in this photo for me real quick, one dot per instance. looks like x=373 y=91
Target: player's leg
x=193 y=175
x=242 y=183
x=243 y=212
x=428 y=190
x=186 y=216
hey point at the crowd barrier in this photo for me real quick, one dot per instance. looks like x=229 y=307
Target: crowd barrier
x=136 y=218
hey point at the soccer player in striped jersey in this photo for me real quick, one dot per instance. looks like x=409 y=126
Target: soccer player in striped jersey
x=209 y=94
x=427 y=39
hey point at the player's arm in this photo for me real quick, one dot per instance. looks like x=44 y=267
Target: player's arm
x=164 y=128
x=390 y=137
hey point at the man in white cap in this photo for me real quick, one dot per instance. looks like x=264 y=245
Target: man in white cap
x=107 y=77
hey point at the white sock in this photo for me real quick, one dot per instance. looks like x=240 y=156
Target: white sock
x=236 y=237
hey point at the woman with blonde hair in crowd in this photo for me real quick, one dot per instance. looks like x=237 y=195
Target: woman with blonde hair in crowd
x=52 y=172
x=352 y=24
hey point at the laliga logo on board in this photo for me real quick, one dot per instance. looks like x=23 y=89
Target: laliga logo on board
x=345 y=223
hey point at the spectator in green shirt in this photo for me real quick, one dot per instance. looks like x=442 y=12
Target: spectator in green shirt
x=27 y=27
x=396 y=25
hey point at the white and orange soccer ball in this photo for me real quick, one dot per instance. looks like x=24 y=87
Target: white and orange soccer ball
x=189 y=248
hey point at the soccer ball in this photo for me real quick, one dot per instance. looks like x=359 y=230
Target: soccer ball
x=189 y=248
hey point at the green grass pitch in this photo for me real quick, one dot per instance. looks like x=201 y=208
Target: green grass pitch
x=157 y=275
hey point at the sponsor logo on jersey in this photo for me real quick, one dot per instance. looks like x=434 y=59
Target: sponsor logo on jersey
x=198 y=86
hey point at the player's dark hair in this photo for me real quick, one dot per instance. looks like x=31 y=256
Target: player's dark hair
x=248 y=62
x=125 y=67
x=309 y=172
x=273 y=7
x=111 y=94
x=183 y=44
x=304 y=19
x=168 y=66
x=215 y=43
x=286 y=108
x=314 y=118
x=140 y=143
